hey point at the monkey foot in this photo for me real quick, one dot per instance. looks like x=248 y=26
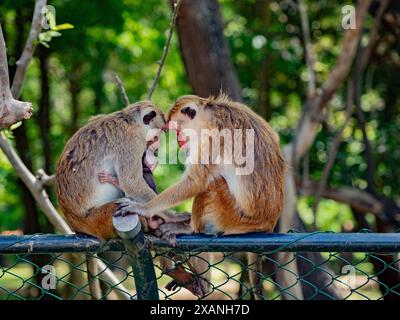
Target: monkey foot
x=198 y=287
x=172 y=285
x=169 y=237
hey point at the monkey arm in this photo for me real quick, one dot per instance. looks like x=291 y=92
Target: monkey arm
x=194 y=183
x=129 y=170
x=136 y=187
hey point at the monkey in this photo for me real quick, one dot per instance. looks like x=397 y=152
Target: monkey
x=123 y=143
x=224 y=201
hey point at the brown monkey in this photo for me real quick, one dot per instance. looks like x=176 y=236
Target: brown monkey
x=224 y=201
x=123 y=143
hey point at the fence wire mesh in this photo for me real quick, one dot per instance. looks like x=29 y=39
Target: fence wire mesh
x=29 y=270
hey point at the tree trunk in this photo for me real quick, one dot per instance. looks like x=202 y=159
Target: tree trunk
x=31 y=223
x=205 y=52
x=209 y=67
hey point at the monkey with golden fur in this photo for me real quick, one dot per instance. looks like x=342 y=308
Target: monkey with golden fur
x=122 y=143
x=224 y=201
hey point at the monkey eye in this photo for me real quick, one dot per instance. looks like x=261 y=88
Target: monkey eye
x=148 y=117
x=191 y=113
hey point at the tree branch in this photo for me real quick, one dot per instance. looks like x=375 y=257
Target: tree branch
x=11 y=110
x=122 y=89
x=361 y=65
x=29 y=49
x=359 y=199
x=307 y=129
x=333 y=150
x=166 y=48
x=309 y=51
x=34 y=185
x=309 y=122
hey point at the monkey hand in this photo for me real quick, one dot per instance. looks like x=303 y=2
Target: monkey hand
x=127 y=206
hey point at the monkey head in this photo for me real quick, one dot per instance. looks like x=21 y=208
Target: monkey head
x=185 y=114
x=152 y=122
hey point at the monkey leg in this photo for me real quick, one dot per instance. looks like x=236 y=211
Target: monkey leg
x=254 y=263
x=197 y=281
x=181 y=277
x=98 y=221
x=193 y=281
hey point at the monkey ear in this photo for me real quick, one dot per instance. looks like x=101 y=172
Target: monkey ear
x=147 y=118
x=189 y=111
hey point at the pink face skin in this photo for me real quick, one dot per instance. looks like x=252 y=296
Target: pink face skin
x=154 y=222
x=181 y=137
x=153 y=143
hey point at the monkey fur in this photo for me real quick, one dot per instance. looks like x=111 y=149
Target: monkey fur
x=118 y=143
x=224 y=202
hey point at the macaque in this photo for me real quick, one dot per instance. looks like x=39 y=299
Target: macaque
x=227 y=199
x=124 y=144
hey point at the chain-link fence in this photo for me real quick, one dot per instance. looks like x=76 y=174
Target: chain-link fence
x=281 y=266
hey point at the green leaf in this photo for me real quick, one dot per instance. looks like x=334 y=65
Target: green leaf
x=16 y=125
x=54 y=34
x=63 y=26
x=50 y=18
x=45 y=44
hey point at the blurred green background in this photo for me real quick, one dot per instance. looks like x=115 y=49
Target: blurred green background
x=73 y=79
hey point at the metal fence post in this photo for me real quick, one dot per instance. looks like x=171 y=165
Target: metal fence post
x=130 y=231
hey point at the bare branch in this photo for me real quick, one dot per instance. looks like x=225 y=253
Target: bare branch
x=122 y=89
x=359 y=199
x=166 y=47
x=29 y=49
x=11 y=110
x=51 y=213
x=4 y=77
x=309 y=51
x=35 y=185
x=373 y=36
x=310 y=61
x=308 y=128
x=37 y=191
x=361 y=65
x=44 y=179
x=334 y=149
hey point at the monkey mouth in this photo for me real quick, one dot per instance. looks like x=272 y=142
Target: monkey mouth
x=150 y=159
x=182 y=139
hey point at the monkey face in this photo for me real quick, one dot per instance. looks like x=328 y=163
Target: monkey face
x=184 y=115
x=154 y=123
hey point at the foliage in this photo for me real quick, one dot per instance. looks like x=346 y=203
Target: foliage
x=127 y=37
